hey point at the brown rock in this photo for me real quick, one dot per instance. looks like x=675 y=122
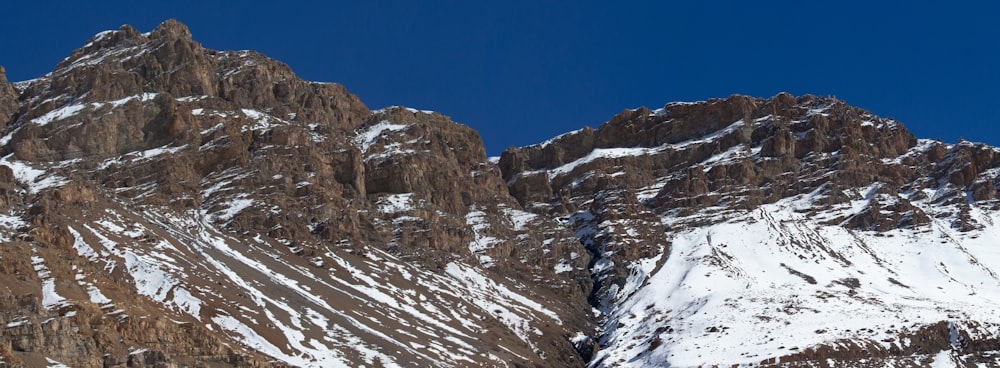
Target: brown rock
x=8 y=99
x=170 y=29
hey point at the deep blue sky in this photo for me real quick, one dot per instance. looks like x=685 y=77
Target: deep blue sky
x=521 y=72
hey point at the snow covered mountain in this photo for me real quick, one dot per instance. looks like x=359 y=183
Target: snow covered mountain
x=788 y=231
x=162 y=203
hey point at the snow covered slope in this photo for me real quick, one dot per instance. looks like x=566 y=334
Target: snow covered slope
x=774 y=282
x=795 y=232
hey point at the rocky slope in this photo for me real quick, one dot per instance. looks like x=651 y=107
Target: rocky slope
x=251 y=216
x=162 y=204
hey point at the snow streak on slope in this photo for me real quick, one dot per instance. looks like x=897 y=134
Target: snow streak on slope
x=505 y=304
x=481 y=243
x=50 y=298
x=305 y=314
x=69 y=111
x=773 y=281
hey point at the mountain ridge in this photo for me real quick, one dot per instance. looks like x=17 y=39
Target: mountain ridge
x=256 y=219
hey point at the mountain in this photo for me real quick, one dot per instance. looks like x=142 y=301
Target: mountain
x=787 y=231
x=163 y=204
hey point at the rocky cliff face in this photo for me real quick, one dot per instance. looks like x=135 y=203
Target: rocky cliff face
x=8 y=98
x=162 y=204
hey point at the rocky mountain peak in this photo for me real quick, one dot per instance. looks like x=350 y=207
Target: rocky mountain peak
x=149 y=88
x=171 y=29
x=681 y=135
x=124 y=37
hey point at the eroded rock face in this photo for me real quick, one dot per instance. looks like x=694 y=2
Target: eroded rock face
x=440 y=169
x=779 y=147
x=8 y=98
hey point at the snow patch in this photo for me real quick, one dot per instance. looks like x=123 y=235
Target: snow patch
x=233 y=207
x=395 y=203
x=262 y=121
x=35 y=179
x=96 y=296
x=55 y=364
x=367 y=137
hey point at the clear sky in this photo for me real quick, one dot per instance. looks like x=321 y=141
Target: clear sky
x=523 y=71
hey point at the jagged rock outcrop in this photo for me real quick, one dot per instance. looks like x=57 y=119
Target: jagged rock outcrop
x=440 y=172
x=8 y=98
x=104 y=87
